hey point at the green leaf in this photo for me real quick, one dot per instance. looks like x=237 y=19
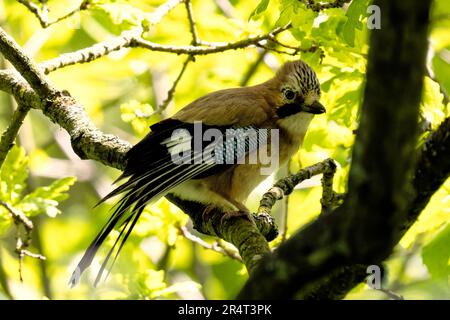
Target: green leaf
x=436 y=254
x=151 y=284
x=432 y=107
x=313 y=58
x=441 y=69
x=303 y=19
x=355 y=12
x=13 y=175
x=262 y=6
x=5 y=220
x=46 y=199
x=122 y=14
x=288 y=9
x=140 y=115
x=55 y=191
x=327 y=30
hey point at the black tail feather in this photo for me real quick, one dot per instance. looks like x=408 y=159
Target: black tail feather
x=137 y=214
x=105 y=262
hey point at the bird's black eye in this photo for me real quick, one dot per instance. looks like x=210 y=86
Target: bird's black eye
x=289 y=94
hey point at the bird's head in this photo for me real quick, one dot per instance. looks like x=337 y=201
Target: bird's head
x=298 y=89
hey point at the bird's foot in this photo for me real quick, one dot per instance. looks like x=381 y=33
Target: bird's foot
x=208 y=211
x=230 y=215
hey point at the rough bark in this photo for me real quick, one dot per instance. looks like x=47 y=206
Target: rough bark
x=366 y=227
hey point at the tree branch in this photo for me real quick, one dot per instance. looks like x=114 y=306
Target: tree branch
x=378 y=193
x=163 y=10
x=192 y=25
x=132 y=38
x=10 y=134
x=24 y=65
x=94 y=52
x=207 y=47
x=87 y=141
x=285 y=186
x=20 y=219
x=247 y=233
x=432 y=170
x=214 y=246
x=171 y=91
x=105 y=47
x=41 y=13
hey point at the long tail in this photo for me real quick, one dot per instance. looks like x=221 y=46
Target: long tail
x=125 y=230
x=151 y=174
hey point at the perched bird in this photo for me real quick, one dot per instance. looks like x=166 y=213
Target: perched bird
x=217 y=171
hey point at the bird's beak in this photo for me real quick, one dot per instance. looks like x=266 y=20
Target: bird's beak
x=315 y=108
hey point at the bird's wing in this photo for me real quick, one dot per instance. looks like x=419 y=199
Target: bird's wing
x=238 y=107
x=152 y=171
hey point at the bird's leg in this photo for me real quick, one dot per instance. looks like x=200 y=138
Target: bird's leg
x=240 y=210
x=229 y=215
x=208 y=210
x=239 y=205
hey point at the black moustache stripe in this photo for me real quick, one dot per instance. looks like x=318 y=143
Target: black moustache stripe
x=287 y=110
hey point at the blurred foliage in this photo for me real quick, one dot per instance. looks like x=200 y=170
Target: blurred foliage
x=121 y=92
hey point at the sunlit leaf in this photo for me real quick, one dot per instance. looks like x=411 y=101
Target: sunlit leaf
x=262 y=6
x=46 y=199
x=355 y=12
x=13 y=175
x=436 y=254
x=432 y=106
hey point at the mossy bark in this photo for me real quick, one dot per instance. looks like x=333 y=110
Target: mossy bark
x=327 y=258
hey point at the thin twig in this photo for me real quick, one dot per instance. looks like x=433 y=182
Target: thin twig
x=272 y=41
x=103 y=48
x=18 y=216
x=267 y=48
x=216 y=246
x=316 y=7
x=132 y=38
x=33 y=8
x=171 y=91
x=94 y=52
x=286 y=185
x=192 y=24
x=42 y=13
x=84 y=5
x=163 y=10
x=207 y=48
x=330 y=199
x=24 y=65
x=22 y=243
x=253 y=68
x=10 y=134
